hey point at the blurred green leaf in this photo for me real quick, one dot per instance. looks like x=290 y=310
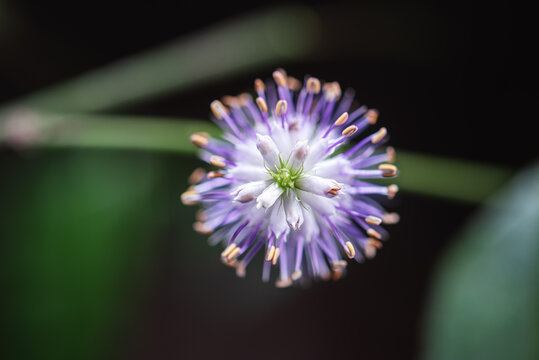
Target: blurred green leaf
x=485 y=302
x=72 y=224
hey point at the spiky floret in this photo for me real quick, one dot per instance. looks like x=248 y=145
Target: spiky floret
x=283 y=186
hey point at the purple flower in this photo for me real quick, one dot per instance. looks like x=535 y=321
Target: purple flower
x=285 y=186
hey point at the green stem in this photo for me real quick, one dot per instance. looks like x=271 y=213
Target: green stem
x=422 y=174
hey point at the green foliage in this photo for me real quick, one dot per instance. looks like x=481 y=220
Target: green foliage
x=486 y=297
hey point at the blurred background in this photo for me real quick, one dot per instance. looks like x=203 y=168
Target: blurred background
x=98 y=257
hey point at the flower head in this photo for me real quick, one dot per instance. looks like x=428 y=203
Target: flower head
x=284 y=183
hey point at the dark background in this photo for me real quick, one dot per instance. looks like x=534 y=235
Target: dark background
x=457 y=79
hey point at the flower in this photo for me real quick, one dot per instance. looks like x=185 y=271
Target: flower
x=283 y=183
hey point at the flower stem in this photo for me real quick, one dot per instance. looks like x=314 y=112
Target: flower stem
x=429 y=175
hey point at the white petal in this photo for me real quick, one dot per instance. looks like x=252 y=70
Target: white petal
x=299 y=154
x=249 y=191
x=249 y=173
x=318 y=152
x=320 y=204
x=331 y=168
x=277 y=221
x=294 y=212
x=269 y=196
x=318 y=185
x=268 y=150
x=310 y=227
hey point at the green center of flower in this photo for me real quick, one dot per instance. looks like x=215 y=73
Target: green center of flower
x=285 y=176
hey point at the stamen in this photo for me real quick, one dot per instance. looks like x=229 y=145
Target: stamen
x=388 y=170
x=197 y=176
x=231 y=101
x=392 y=191
x=372 y=116
x=190 y=197
x=336 y=274
x=391 y=218
x=228 y=250
x=349 y=131
x=379 y=135
x=377 y=244
x=221 y=112
x=201 y=228
x=217 y=161
x=279 y=77
x=262 y=105
x=201 y=215
x=270 y=253
x=373 y=233
x=259 y=86
x=313 y=85
x=373 y=220
x=281 y=107
x=275 y=256
x=342 y=119
x=280 y=110
x=391 y=155
x=339 y=264
x=218 y=109
x=233 y=254
x=293 y=83
x=296 y=275
x=283 y=283
x=199 y=139
x=215 y=174
x=350 y=250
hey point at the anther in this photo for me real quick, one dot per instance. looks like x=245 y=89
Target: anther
x=280 y=78
x=350 y=250
x=231 y=101
x=391 y=155
x=342 y=119
x=349 y=131
x=275 y=256
x=234 y=253
x=240 y=269
x=373 y=220
x=259 y=85
x=200 y=139
x=372 y=116
x=392 y=190
x=388 y=170
x=391 y=218
x=339 y=264
x=373 y=233
x=201 y=215
x=281 y=107
x=377 y=244
x=379 y=135
x=262 y=104
x=296 y=275
x=293 y=83
x=215 y=174
x=218 y=109
x=228 y=250
x=197 y=176
x=270 y=253
x=201 y=228
x=217 y=161
x=190 y=197
x=313 y=85
x=283 y=283
x=336 y=274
